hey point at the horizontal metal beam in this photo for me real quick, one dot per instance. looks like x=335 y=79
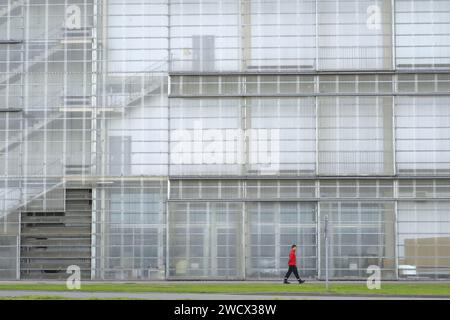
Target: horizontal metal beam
x=303 y=199
x=10 y=41
x=309 y=72
x=306 y=95
x=11 y=110
x=396 y=177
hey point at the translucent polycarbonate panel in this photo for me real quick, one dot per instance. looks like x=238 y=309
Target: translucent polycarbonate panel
x=219 y=137
x=51 y=197
x=282 y=139
x=355 y=136
x=422 y=34
x=11 y=90
x=423 y=83
x=272 y=228
x=136 y=139
x=280 y=189
x=10 y=134
x=204 y=35
x=360 y=234
x=234 y=189
x=355 y=34
x=251 y=85
x=11 y=19
x=206 y=137
x=242 y=35
x=423 y=135
x=356 y=189
x=9 y=230
x=79 y=13
x=129 y=241
x=424 y=239
x=362 y=83
x=206 y=85
x=205 y=240
x=132 y=88
x=424 y=188
x=206 y=189
x=8 y=256
x=295 y=85
x=278 y=35
x=135 y=35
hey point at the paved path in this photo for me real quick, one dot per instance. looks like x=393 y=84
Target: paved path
x=202 y=296
x=195 y=296
x=220 y=281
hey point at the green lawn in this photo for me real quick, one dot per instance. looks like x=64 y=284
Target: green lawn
x=37 y=297
x=335 y=288
x=31 y=297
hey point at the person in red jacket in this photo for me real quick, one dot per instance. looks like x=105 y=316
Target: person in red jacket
x=292 y=263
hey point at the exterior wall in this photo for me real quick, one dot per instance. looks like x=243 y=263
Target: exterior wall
x=214 y=134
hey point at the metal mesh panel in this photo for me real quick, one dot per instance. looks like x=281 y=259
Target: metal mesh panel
x=361 y=234
x=204 y=240
x=272 y=228
x=424 y=240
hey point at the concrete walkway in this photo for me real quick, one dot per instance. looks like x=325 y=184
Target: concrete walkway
x=203 y=296
x=207 y=296
x=221 y=281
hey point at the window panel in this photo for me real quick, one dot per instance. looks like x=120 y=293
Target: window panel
x=282 y=35
x=355 y=136
x=422 y=34
x=273 y=228
x=355 y=34
x=423 y=135
x=286 y=129
x=204 y=240
x=424 y=239
x=360 y=234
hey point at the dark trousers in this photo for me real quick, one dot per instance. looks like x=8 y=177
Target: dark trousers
x=292 y=269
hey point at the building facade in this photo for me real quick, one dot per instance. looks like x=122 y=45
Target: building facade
x=199 y=139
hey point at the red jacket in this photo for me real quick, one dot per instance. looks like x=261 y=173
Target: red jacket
x=292 y=258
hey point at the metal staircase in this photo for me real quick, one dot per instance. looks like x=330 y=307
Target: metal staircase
x=39 y=51
x=53 y=240
x=36 y=183
x=35 y=124
x=29 y=188
x=15 y=4
x=137 y=87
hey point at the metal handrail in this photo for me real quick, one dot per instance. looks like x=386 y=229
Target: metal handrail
x=122 y=99
x=24 y=198
x=55 y=34
x=51 y=117
x=13 y=6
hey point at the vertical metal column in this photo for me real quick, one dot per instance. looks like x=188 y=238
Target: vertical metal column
x=94 y=74
x=326 y=250
x=393 y=38
x=168 y=196
x=394 y=135
x=246 y=33
x=317 y=36
x=166 y=269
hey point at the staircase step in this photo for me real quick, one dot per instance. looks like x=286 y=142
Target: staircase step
x=52 y=241
x=53 y=231
x=80 y=220
x=55 y=242
x=57 y=264
x=60 y=275
x=86 y=254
